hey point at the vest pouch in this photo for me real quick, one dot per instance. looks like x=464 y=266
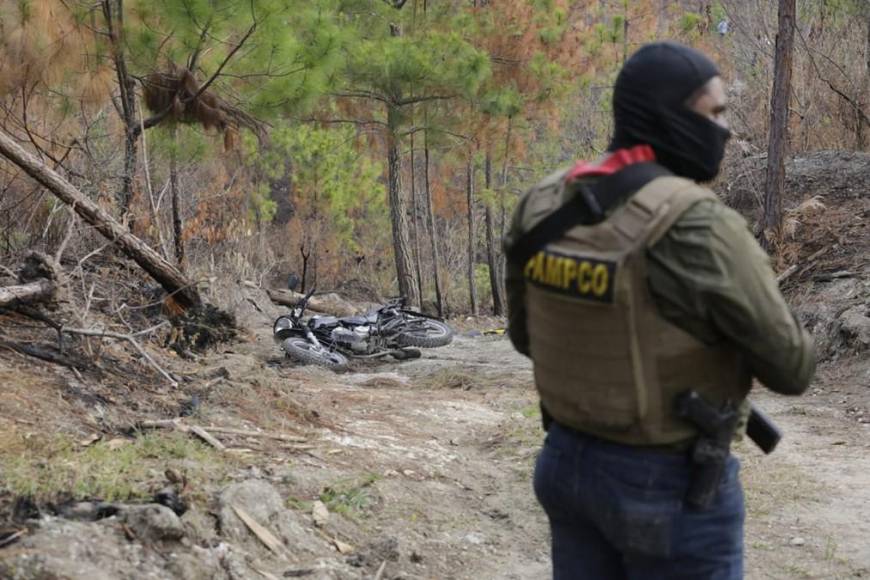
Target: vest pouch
x=587 y=373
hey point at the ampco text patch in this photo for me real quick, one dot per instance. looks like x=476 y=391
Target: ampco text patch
x=577 y=276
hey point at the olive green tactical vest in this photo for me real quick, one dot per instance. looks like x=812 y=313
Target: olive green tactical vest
x=606 y=363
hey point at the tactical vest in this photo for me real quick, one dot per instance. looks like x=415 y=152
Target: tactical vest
x=605 y=362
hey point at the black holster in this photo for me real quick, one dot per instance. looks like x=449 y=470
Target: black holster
x=711 y=450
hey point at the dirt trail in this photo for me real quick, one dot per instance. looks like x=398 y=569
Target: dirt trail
x=454 y=437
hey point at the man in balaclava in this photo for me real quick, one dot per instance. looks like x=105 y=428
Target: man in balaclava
x=641 y=298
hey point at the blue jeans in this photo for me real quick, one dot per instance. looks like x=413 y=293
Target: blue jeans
x=617 y=512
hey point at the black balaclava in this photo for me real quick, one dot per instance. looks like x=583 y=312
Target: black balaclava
x=650 y=107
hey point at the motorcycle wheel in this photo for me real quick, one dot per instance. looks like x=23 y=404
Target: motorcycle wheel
x=425 y=333
x=300 y=350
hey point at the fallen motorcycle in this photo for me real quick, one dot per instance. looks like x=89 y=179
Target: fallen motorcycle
x=389 y=330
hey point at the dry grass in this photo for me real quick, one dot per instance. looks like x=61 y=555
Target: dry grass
x=466 y=380
x=45 y=467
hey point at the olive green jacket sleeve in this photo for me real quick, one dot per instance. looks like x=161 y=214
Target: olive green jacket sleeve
x=515 y=287
x=710 y=277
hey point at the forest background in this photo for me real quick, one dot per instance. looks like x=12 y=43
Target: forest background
x=366 y=143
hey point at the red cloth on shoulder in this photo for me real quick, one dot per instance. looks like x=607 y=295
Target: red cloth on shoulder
x=614 y=162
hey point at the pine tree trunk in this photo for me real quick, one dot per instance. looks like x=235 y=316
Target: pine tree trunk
x=503 y=202
x=469 y=192
x=778 y=143
x=418 y=257
x=113 y=11
x=491 y=249
x=126 y=196
x=504 y=178
x=440 y=298
x=177 y=224
x=399 y=211
x=662 y=18
x=166 y=274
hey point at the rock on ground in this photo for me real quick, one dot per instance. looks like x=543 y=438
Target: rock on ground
x=72 y=550
x=264 y=504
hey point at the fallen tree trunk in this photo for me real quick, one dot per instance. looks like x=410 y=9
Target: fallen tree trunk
x=327 y=303
x=40 y=280
x=164 y=273
x=39 y=291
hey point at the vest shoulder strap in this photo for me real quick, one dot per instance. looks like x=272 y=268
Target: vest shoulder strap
x=585 y=207
x=651 y=212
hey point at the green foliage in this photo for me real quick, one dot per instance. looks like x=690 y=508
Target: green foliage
x=481 y=280
x=330 y=175
x=351 y=498
x=505 y=101
x=552 y=77
x=191 y=145
x=262 y=207
x=291 y=50
x=689 y=23
x=552 y=25
x=25 y=9
x=395 y=66
x=488 y=196
x=718 y=12
x=617 y=29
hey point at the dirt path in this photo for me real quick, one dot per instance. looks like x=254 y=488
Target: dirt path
x=809 y=502
x=452 y=440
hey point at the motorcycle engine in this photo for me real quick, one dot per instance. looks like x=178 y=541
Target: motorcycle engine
x=349 y=339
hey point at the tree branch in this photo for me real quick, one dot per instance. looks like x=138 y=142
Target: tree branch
x=342 y=121
x=156 y=119
x=844 y=96
x=361 y=95
x=226 y=60
x=422 y=99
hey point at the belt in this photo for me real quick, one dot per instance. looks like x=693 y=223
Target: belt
x=676 y=448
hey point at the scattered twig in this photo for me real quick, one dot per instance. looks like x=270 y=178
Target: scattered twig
x=834 y=276
x=207 y=437
x=12 y=538
x=90 y=255
x=132 y=340
x=380 y=571
x=268 y=538
x=263 y=434
x=173 y=424
x=785 y=275
x=266 y=575
x=151 y=202
x=66 y=238
x=184 y=428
